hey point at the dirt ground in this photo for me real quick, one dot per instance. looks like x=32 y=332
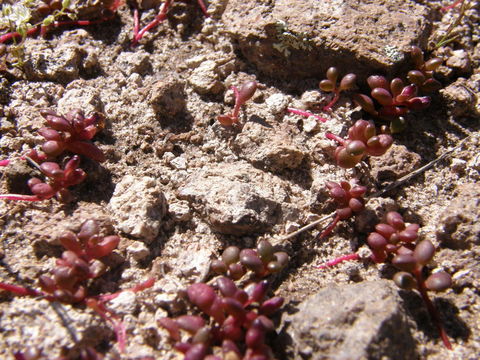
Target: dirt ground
x=178 y=187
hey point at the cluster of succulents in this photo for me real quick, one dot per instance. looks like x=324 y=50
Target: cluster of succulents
x=56 y=184
x=395 y=242
x=391 y=100
x=362 y=140
x=239 y=315
x=68 y=283
x=72 y=133
x=79 y=262
x=261 y=261
x=349 y=200
x=246 y=91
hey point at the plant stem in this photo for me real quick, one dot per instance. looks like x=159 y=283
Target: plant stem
x=306 y=114
x=336 y=138
x=328 y=107
x=348 y=257
x=432 y=310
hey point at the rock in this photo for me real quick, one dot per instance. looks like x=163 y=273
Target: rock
x=180 y=211
x=268 y=148
x=459 y=224
x=460 y=61
x=460 y=97
x=80 y=95
x=60 y=64
x=277 y=103
x=125 y=303
x=205 y=79
x=138 y=251
x=235 y=198
x=133 y=62
x=167 y=96
x=303 y=38
x=310 y=124
x=398 y=161
x=358 y=321
x=138 y=206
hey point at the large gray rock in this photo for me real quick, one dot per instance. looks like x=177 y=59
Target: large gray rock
x=235 y=198
x=358 y=321
x=287 y=38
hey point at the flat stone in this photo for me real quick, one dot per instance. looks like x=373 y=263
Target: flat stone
x=235 y=198
x=303 y=38
x=358 y=321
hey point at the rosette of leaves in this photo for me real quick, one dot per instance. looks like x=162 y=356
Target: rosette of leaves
x=362 y=140
x=391 y=100
x=262 y=261
x=395 y=241
x=72 y=132
x=349 y=200
x=56 y=184
x=238 y=326
x=79 y=262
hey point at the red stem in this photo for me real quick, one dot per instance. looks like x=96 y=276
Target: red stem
x=21 y=197
x=328 y=107
x=136 y=23
x=451 y=6
x=432 y=310
x=330 y=227
x=20 y=290
x=158 y=19
x=203 y=7
x=339 y=260
x=336 y=138
x=4 y=162
x=139 y=287
x=238 y=104
x=306 y=114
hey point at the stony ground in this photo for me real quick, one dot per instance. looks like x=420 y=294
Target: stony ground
x=178 y=187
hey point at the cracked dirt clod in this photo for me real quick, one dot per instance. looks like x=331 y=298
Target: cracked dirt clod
x=138 y=206
x=235 y=199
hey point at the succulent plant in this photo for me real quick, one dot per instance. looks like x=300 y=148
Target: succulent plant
x=422 y=75
x=362 y=140
x=72 y=132
x=240 y=321
x=395 y=241
x=330 y=84
x=391 y=100
x=239 y=315
x=243 y=94
x=57 y=183
x=349 y=200
x=262 y=261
